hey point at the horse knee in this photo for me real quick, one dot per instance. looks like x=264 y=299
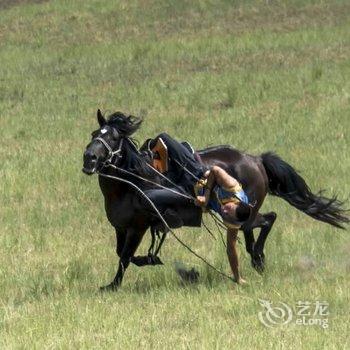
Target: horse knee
x=119 y=251
x=270 y=217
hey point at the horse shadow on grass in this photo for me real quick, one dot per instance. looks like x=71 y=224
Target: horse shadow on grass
x=182 y=277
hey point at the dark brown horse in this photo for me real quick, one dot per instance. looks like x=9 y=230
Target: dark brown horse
x=258 y=175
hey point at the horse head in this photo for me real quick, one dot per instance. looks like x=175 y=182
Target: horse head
x=107 y=143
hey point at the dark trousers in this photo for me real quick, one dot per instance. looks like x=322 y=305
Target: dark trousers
x=184 y=168
x=184 y=208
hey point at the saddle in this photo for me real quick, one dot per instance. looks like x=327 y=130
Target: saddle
x=159 y=153
x=160 y=156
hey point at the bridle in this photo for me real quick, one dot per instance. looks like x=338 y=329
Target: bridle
x=109 y=163
x=111 y=153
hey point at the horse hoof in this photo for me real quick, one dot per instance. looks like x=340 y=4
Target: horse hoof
x=112 y=287
x=258 y=262
x=146 y=260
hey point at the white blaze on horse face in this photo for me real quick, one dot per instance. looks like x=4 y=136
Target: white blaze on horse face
x=103 y=131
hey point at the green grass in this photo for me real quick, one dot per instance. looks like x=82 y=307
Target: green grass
x=260 y=75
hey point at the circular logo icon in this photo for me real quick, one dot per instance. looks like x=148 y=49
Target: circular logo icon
x=274 y=315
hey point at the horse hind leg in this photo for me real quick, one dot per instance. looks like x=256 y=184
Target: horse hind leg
x=149 y=259
x=265 y=222
x=152 y=257
x=249 y=240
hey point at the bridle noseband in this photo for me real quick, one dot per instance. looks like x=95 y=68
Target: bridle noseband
x=111 y=153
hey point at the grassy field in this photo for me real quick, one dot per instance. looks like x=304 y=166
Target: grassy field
x=260 y=75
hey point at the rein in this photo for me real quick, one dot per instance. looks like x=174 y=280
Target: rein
x=108 y=163
x=149 y=181
x=164 y=222
x=111 y=153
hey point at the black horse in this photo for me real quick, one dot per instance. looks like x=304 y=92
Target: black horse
x=259 y=175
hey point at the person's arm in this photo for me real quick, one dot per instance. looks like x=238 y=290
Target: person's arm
x=218 y=176
x=224 y=180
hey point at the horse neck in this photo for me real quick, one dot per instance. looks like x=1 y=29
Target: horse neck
x=110 y=187
x=130 y=151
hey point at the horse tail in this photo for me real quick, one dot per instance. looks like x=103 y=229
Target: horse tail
x=285 y=182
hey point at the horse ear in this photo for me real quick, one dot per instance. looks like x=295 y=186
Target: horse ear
x=100 y=118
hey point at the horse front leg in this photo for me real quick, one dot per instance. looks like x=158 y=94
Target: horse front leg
x=120 y=236
x=132 y=241
x=232 y=235
x=151 y=258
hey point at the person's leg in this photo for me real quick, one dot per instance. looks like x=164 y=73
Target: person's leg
x=166 y=202
x=163 y=198
x=188 y=168
x=176 y=150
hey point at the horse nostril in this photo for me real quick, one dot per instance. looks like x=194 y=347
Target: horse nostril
x=89 y=161
x=90 y=156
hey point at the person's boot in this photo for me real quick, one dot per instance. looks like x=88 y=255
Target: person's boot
x=172 y=218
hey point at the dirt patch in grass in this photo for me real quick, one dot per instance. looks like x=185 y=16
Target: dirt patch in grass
x=5 y=4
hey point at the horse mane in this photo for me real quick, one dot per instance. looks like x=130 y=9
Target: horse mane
x=134 y=161
x=125 y=124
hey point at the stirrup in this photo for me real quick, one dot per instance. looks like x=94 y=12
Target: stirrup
x=172 y=219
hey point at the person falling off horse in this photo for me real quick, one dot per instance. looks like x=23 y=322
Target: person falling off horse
x=133 y=206
x=213 y=187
